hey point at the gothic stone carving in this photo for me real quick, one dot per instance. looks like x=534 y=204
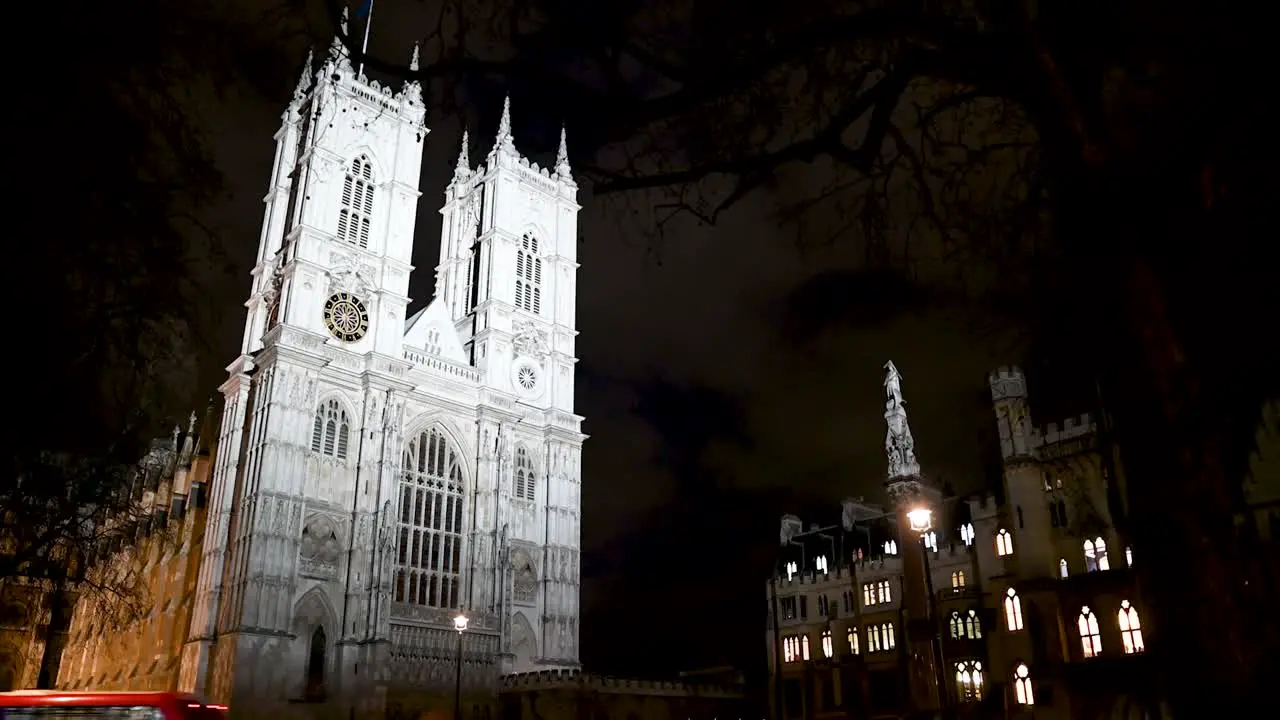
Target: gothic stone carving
x=320 y=548
x=524 y=579
x=529 y=341
x=348 y=276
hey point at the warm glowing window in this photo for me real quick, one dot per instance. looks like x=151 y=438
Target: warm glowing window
x=883 y=594
x=431 y=499
x=526 y=477
x=1062 y=567
x=1013 y=610
x=529 y=275
x=868 y=594
x=828 y=647
x=1130 y=628
x=968 y=625
x=931 y=540
x=890 y=547
x=876 y=593
x=1128 y=557
x=969 y=680
x=791 y=570
x=957 y=579
x=790 y=648
x=1022 y=685
x=804 y=647
x=356 y=214
x=1095 y=555
x=880 y=638
x=822 y=564
x=1090 y=637
x=966 y=533
x=330 y=431
x=1004 y=543
x=853 y=641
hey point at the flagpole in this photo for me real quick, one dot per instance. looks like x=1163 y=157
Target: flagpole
x=364 y=46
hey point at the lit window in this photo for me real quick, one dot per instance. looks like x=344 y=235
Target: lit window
x=868 y=594
x=1062 y=567
x=1013 y=610
x=357 y=203
x=431 y=499
x=966 y=533
x=526 y=479
x=873 y=638
x=853 y=641
x=883 y=594
x=529 y=275
x=1130 y=628
x=876 y=593
x=957 y=579
x=969 y=680
x=1004 y=543
x=957 y=625
x=791 y=570
x=890 y=638
x=790 y=648
x=330 y=430
x=828 y=647
x=1095 y=555
x=880 y=638
x=931 y=540
x=822 y=564
x=1090 y=637
x=1022 y=685
x=890 y=547
x=973 y=625
x=804 y=647
x=1128 y=557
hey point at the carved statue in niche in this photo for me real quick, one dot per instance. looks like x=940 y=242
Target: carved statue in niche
x=524 y=576
x=347 y=275
x=529 y=341
x=319 y=547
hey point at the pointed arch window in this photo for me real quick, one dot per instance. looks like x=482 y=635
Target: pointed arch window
x=356 y=215
x=957 y=579
x=969 y=680
x=1130 y=628
x=1013 y=610
x=966 y=533
x=1062 y=567
x=529 y=275
x=331 y=430
x=1022 y=690
x=526 y=478
x=853 y=641
x=1004 y=543
x=973 y=625
x=1095 y=555
x=1090 y=635
x=429 y=554
x=828 y=645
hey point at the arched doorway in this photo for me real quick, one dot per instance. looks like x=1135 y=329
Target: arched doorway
x=316 y=657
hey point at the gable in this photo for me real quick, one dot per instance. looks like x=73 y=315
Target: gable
x=431 y=331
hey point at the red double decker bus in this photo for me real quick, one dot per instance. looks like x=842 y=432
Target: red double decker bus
x=61 y=705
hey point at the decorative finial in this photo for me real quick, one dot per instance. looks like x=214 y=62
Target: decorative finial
x=413 y=61
x=464 y=160
x=177 y=431
x=562 y=156
x=191 y=424
x=304 y=82
x=343 y=25
x=504 y=127
x=899 y=446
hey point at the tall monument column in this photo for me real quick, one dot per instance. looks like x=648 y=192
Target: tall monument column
x=915 y=503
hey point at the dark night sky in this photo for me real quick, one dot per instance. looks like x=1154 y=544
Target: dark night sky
x=723 y=382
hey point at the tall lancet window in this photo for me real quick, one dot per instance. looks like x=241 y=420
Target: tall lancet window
x=357 y=203
x=529 y=275
x=430 y=550
x=330 y=432
x=526 y=478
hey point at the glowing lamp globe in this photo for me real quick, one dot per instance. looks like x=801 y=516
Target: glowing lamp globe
x=920 y=519
x=460 y=622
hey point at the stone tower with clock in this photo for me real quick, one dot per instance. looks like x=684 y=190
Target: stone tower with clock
x=379 y=475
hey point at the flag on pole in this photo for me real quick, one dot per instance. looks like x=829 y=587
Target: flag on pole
x=365 y=8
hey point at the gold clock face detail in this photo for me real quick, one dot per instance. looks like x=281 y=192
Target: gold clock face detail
x=346 y=317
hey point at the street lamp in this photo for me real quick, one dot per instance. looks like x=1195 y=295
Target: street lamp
x=921 y=521
x=459 y=624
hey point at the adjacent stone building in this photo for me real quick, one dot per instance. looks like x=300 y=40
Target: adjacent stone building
x=571 y=695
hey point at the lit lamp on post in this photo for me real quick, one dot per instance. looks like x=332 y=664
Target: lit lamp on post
x=459 y=624
x=920 y=519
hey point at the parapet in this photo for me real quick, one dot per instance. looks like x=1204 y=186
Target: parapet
x=577 y=680
x=1007 y=381
x=983 y=507
x=841 y=574
x=1072 y=427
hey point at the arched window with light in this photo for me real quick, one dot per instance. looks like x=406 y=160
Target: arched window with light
x=973 y=625
x=1095 y=555
x=529 y=275
x=356 y=215
x=1004 y=543
x=966 y=533
x=330 y=430
x=804 y=647
x=969 y=680
x=931 y=540
x=957 y=625
x=957 y=579
x=1012 y=610
x=822 y=564
x=1022 y=690
x=1130 y=628
x=853 y=641
x=1090 y=635
x=828 y=645
x=1062 y=567
x=431 y=500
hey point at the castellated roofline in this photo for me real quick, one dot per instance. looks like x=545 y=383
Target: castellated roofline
x=577 y=680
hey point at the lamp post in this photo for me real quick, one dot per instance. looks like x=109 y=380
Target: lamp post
x=921 y=521
x=459 y=624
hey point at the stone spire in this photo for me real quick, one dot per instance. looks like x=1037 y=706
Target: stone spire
x=562 y=158
x=899 y=446
x=413 y=60
x=463 y=168
x=337 y=50
x=504 y=141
